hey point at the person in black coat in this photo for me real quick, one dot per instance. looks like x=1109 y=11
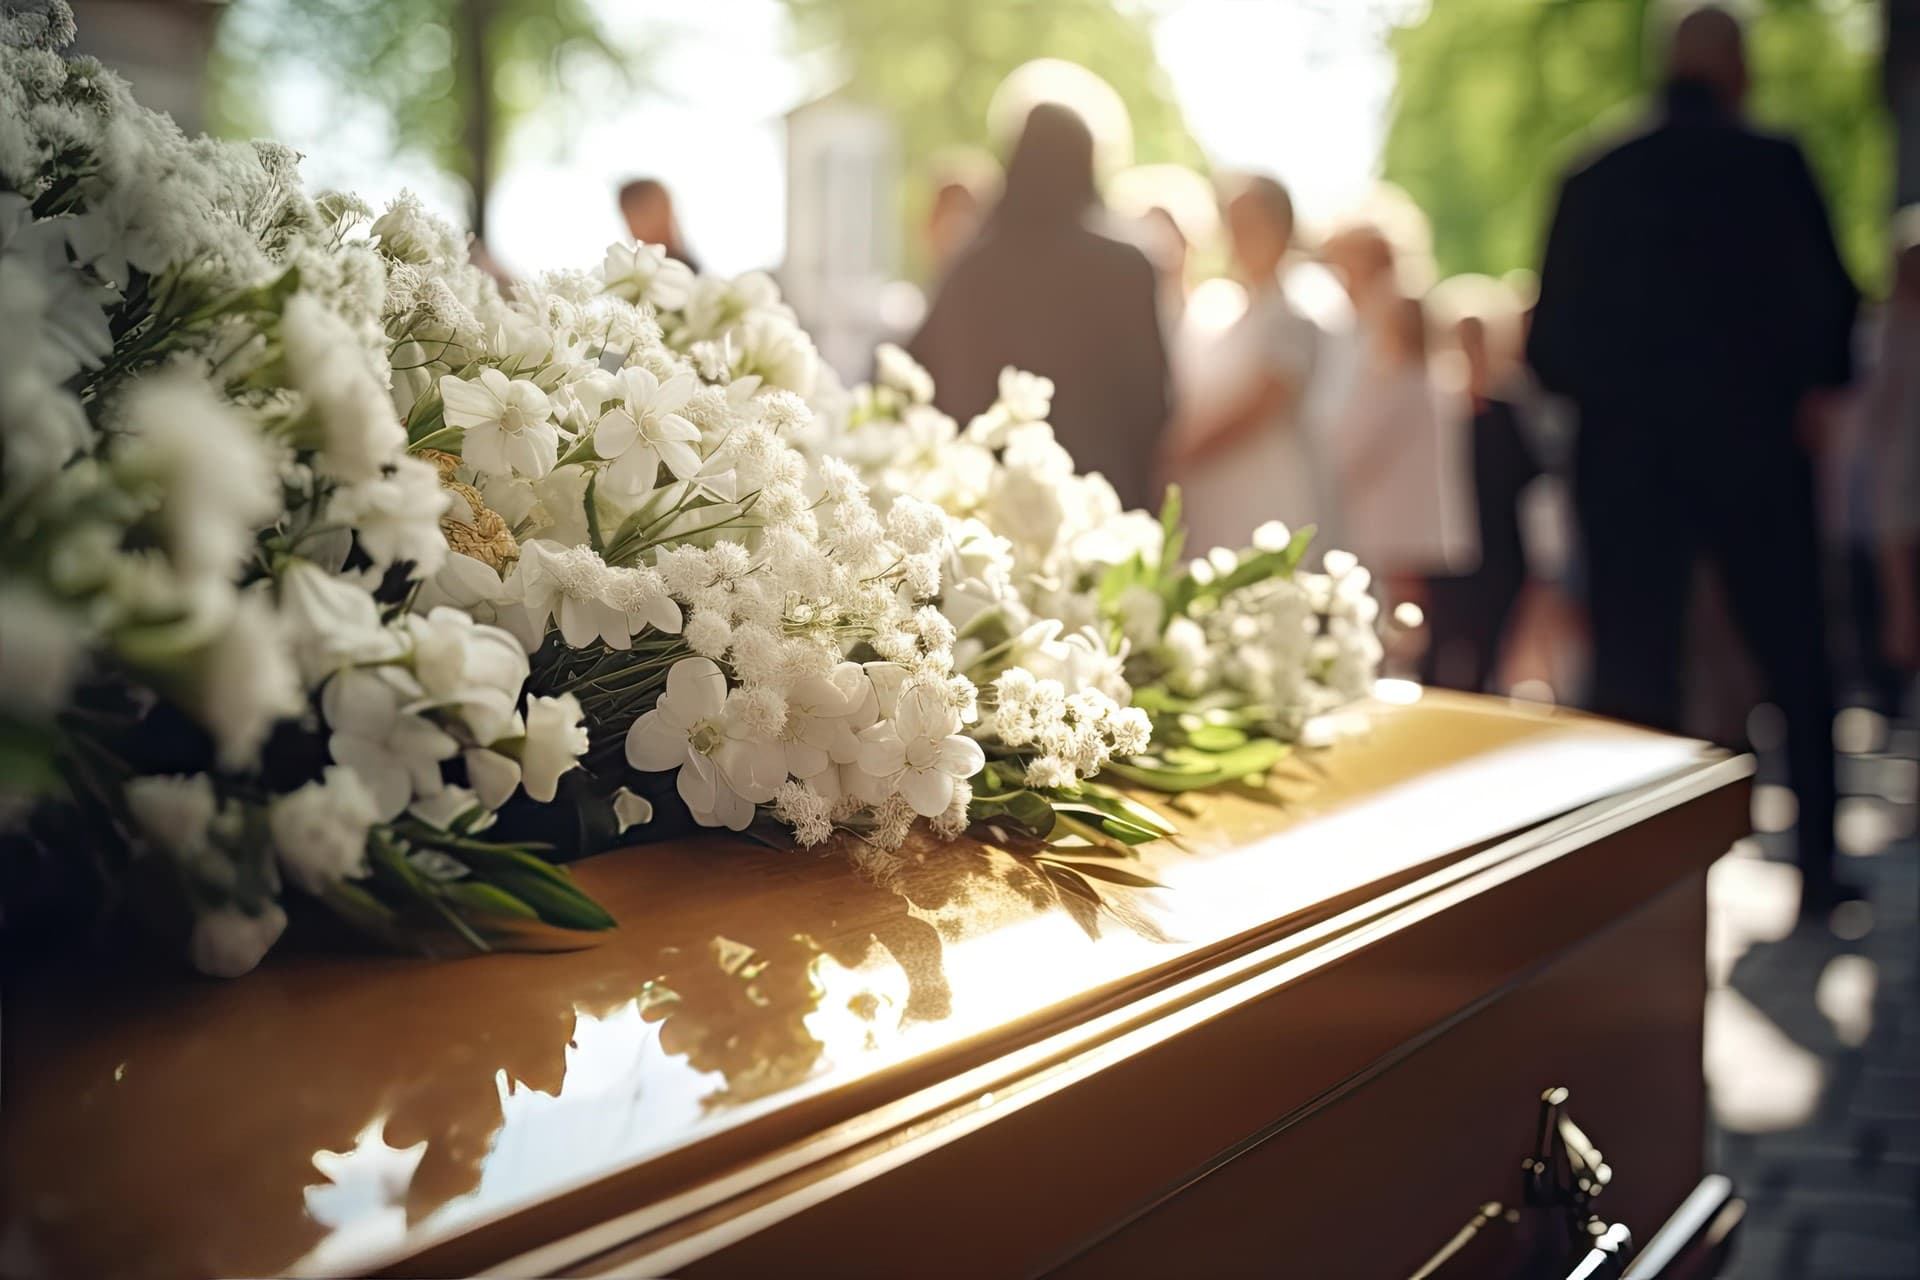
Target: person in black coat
x=1469 y=615
x=1040 y=289
x=1694 y=307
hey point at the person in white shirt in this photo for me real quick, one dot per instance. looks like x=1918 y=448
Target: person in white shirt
x=1397 y=445
x=1239 y=448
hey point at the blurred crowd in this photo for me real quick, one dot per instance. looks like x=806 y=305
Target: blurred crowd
x=1682 y=452
x=1672 y=475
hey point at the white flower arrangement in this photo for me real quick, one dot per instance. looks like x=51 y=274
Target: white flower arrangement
x=329 y=565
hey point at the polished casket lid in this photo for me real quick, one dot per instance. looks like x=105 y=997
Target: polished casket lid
x=339 y=1112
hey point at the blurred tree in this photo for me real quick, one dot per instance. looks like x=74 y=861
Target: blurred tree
x=1495 y=98
x=933 y=66
x=453 y=76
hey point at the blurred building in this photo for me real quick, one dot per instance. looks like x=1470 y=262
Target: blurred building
x=843 y=174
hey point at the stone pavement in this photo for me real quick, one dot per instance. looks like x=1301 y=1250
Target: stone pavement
x=1813 y=1032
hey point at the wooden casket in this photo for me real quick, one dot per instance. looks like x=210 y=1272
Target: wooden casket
x=1317 y=1051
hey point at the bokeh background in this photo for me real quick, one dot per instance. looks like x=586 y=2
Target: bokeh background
x=520 y=118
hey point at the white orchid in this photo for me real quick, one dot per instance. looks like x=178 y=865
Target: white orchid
x=644 y=428
x=591 y=599
x=819 y=729
x=396 y=752
x=555 y=740
x=332 y=621
x=396 y=516
x=645 y=273
x=508 y=423
x=473 y=670
x=320 y=830
x=696 y=728
x=920 y=751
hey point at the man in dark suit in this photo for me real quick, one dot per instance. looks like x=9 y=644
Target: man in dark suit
x=1694 y=306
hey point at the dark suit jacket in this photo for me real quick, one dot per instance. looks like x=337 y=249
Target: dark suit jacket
x=1072 y=304
x=1691 y=294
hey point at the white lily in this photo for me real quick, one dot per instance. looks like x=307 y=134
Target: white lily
x=508 y=423
x=644 y=428
x=724 y=772
x=921 y=752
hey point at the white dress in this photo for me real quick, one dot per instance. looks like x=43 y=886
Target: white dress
x=1271 y=474
x=1401 y=450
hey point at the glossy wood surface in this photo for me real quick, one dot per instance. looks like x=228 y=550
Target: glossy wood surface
x=758 y=1013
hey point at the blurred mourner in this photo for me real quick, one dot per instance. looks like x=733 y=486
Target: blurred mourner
x=1041 y=290
x=1241 y=452
x=1694 y=307
x=1893 y=424
x=647 y=206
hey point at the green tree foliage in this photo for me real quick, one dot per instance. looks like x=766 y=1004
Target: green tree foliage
x=933 y=65
x=1495 y=98
x=453 y=76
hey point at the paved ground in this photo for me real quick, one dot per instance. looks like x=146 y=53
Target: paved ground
x=1813 y=1033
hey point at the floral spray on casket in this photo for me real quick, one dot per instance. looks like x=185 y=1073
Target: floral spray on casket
x=331 y=568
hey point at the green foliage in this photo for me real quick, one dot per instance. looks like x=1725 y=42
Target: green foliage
x=933 y=66
x=1494 y=98
x=423 y=64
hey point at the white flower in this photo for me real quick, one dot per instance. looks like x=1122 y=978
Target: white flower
x=326 y=361
x=472 y=669
x=320 y=830
x=228 y=942
x=248 y=681
x=920 y=752
x=1026 y=397
x=893 y=367
x=1027 y=501
x=493 y=775
x=216 y=480
x=396 y=753
x=717 y=305
x=1271 y=535
x=771 y=347
x=408 y=232
x=464 y=583
x=645 y=428
x=556 y=739
x=396 y=517
x=508 y=423
x=173 y=811
x=447 y=806
x=45 y=648
x=332 y=622
x=819 y=730
x=591 y=599
x=723 y=771
x=644 y=273
x=630 y=810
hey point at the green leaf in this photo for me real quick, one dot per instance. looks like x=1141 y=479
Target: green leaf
x=1172 y=535
x=1184 y=769
x=359 y=908
x=1031 y=811
x=1216 y=737
x=478 y=899
x=566 y=906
